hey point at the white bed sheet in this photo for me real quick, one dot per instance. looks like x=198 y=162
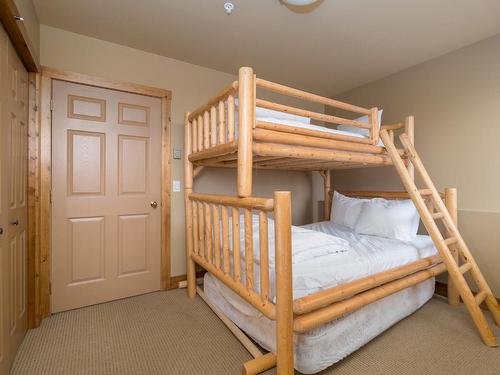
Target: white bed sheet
x=328 y=344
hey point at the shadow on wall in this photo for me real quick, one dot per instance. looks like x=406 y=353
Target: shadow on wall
x=265 y=183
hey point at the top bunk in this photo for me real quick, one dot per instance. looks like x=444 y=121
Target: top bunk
x=238 y=129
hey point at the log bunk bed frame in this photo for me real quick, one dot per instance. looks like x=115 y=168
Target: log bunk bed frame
x=210 y=141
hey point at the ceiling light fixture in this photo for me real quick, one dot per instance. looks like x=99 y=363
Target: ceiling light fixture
x=299 y=2
x=228 y=7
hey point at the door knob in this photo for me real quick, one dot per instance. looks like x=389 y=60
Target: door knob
x=15 y=222
x=154 y=204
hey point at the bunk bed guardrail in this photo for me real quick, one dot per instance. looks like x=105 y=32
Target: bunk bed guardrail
x=214 y=136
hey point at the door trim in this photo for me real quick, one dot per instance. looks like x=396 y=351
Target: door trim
x=45 y=220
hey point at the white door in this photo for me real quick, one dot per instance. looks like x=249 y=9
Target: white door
x=13 y=207
x=106 y=195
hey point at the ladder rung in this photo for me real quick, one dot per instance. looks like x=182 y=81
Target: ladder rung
x=425 y=191
x=466 y=267
x=450 y=241
x=437 y=215
x=480 y=297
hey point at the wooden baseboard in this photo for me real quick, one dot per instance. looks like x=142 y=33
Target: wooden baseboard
x=176 y=280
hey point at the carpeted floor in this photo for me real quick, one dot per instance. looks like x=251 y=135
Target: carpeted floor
x=166 y=333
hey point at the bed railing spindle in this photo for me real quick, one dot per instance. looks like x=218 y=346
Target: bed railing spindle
x=213 y=127
x=196 y=236
x=230 y=118
x=222 y=123
x=248 y=248
x=236 y=243
x=206 y=130
x=208 y=233
x=264 y=255
x=201 y=229
x=194 y=135
x=215 y=216
x=200 y=133
x=225 y=240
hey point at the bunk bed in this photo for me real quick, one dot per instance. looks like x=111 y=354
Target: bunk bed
x=245 y=242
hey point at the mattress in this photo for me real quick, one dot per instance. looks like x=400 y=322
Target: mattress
x=299 y=124
x=325 y=345
x=282 y=118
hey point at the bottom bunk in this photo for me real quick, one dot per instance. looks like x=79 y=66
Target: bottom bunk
x=306 y=278
x=325 y=345
x=321 y=347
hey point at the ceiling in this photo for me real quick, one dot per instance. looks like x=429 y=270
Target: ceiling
x=329 y=48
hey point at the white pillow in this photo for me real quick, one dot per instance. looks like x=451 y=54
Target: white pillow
x=361 y=131
x=389 y=218
x=345 y=210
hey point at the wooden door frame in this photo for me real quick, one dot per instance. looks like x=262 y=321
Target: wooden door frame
x=41 y=172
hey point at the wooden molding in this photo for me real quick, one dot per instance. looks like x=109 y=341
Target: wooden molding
x=33 y=266
x=165 y=190
x=18 y=35
x=106 y=83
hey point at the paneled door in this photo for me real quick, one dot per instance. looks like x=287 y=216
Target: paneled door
x=106 y=195
x=13 y=207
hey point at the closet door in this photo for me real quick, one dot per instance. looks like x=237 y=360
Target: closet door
x=13 y=206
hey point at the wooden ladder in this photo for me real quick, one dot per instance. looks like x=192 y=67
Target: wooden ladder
x=454 y=239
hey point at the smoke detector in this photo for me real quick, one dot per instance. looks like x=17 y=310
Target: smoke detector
x=228 y=7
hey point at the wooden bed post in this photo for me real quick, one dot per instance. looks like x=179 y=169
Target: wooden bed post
x=188 y=189
x=410 y=131
x=327 y=200
x=246 y=120
x=284 y=298
x=375 y=129
x=450 y=200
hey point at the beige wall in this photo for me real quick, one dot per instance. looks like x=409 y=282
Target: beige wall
x=456 y=102
x=191 y=86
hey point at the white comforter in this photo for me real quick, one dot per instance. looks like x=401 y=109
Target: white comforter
x=321 y=260
x=307 y=244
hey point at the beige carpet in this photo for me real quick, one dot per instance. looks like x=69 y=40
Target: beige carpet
x=165 y=333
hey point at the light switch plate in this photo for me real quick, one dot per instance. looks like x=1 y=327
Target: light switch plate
x=176 y=186
x=177 y=153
